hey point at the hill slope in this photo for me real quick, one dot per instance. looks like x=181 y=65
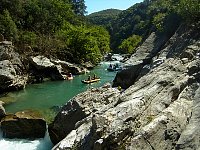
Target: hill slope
x=104 y=17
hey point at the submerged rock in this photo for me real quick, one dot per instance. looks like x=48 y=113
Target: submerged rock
x=25 y=125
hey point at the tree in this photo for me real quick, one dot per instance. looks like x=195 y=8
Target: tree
x=189 y=9
x=129 y=45
x=78 y=7
x=7 y=26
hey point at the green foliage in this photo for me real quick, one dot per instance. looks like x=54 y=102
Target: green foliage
x=79 y=7
x=55 y=28
x=189 y=9
x=129 y=45
x=103 y=18
x=158 y=21
x=29 y=38
x=85 y=44
x=7 y=26
x=134 y=20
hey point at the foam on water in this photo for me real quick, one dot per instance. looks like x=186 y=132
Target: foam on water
x=19 y=144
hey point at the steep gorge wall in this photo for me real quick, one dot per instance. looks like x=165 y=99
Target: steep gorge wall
x=158 y=110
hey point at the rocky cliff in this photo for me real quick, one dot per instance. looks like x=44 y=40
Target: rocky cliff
x=12 y=75
x=158 y=110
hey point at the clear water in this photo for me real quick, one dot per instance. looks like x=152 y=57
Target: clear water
x=55 y=93
x=43 y=97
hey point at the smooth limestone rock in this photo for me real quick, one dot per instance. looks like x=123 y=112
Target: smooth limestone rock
x=139 y=61
x=12 y=75
x=10 y=79
x=46 y=68
x=70 y=68
x=80 y=110
x=189 y=138
x=159 y=111
x=55 y=69
x=24 y=125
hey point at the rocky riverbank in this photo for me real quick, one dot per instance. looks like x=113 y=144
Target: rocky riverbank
x=17 y=70
x=157 y=110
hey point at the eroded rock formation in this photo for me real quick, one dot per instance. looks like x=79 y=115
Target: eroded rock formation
x=157 y=110
x=12 y=75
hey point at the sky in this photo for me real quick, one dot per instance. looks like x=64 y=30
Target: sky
x=98 y=5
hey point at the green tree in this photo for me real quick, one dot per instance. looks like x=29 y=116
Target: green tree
x=129 y=45
x=189 y=9
x=158 y=21
x=78 y=7
x=7 y=26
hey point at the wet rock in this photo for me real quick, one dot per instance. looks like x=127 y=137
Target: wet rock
x=2 y=110
x=25 y=125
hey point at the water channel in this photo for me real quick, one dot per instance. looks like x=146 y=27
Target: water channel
x=46 y=97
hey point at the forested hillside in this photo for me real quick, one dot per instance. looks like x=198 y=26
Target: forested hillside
x=104 y=17
x=52 y=28
x=130 y=27
x=60 y=29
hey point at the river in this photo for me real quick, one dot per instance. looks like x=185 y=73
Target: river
x=45 y=98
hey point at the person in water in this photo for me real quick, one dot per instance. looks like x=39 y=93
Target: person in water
x=110 y=66
x=89 y=78
x=94 y=77
x=70 y=75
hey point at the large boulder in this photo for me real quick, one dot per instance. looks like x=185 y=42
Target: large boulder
x=80 y=107
x=12 y=75
x=42 y=66
x=54 y=69
x=25 y=124
x=71 y=68
x=10 y=79
x=139 y=62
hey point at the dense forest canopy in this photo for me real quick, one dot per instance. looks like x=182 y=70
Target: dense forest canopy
x=143 y=18
x=59 y=28
x=104 y=17
x=55 y=28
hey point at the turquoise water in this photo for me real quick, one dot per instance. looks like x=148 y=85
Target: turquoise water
x=55 y=93
x=42 y=97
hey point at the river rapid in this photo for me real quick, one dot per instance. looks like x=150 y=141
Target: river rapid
x=47 y=98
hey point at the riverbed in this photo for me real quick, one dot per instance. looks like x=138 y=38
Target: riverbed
x=47 y=98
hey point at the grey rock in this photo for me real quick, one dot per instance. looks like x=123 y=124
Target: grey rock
x=70 y=68
x=190 y=136
x=158 y=110
x=54 y=69
x=12 y=75
x=84 y=105
x=9 y=79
